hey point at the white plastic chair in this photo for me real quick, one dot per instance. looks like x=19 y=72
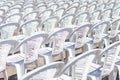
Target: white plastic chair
x=8 y=30
x=71 y=10
x=81 y=9
x=59 y=12
x=53 y=7
x=81 y=18
x=114 y=30
x=56 y=41
x=14 y=18
x=1 y=20
x=61 y=2
x=79 y=36
x=101 y=6
x=45 y=14
x=29 y=48
x=49 y=24
x=95 y=16
x=76 y=4
x=12 y=11
x=78 y=68
x=106 y=14
x=41 y=8
x=28 y=10
x=110 y=5
x=43 y=73
x=99 y=33
x=92 y=7
x=110 y=55
x=4 y=7
x=17 y=5
x=2 y=12
x=5 y=47
x=30 y=16
x=116 y=13
x=67 y=20
x=29 y=27
x=65 y=5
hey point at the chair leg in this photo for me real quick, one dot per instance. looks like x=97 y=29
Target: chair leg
x=36 y=63
x=113 y=75
x=118 y=69
x=5 y=75
x=48 y=59
x=90 y=45
x=106 y=41
x=20 y=69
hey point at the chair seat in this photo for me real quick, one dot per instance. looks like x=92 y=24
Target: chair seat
x=103 y=36
x=87 y=40
x=95 y=71
x=15 y=58
x=18 y=37
x=112 y=35
x=68 y=45
x=45 y=51
x=63 y=77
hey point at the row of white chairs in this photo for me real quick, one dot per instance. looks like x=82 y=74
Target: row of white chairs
x=82 y=67
x=74 y=30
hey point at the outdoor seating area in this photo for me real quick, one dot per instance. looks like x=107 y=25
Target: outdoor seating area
x=60 y=39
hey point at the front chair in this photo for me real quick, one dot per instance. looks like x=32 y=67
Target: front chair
x=46 y=72
x=28 y=53
x=5 y=47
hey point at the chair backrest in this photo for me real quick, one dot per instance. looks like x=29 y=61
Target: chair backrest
x=110 y=53
x=41 y=8
x=17 y=5
x=61 y=2
x=110 y=5
x=98 y=30
x=28 y=10
x=14 y=18
x=7 y=30
x=106 y=14
x=12 y=11
x=76 y=4
x=65 y=5
x=49 y=24
x=53 y=7
x=2 y=12
x=57 y=39
x=30 y=46
x=1 y=19
x=45 y=14
x=59 y=12
x=4 y=7
x=101 y=6
x=116 y=12
x=5 y=47
x=95 y=16
x=30 y=16
x=80 y=65
x=82 y=8
x=115 y=25
x=46 y=72
x=79 y=34
x=66 y=20
x=71 y=10
x=81 y=18
x=92 y=7
x=29 y=27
